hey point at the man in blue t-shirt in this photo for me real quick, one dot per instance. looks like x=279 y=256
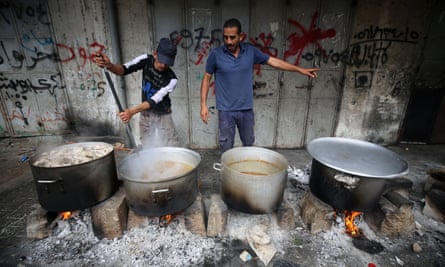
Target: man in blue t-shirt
x=232 y=64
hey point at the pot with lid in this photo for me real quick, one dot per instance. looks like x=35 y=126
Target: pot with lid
x=74 y=176
x=161 y=180
x=351 y=174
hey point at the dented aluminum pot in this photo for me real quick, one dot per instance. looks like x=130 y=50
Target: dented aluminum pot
x=350 y=174
x=75 y=186
x=252 y=179
x=161 y=180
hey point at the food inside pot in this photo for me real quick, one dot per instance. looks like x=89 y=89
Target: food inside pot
x=255 y=167
x=71 y=155
x=166 y=169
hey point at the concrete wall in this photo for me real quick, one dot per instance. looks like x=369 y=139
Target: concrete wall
x=384 y=53
x=368 y=57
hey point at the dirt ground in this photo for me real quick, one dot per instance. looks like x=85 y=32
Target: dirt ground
x=72 y=243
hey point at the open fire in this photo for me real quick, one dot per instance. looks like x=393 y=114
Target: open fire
x=165 y=220
x=352 y=219
x=65 y=215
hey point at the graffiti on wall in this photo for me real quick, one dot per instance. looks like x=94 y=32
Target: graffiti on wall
x=18 y=91
x=27 y=14
x=27 y=45
x=94 y=84
x=35 y=52
x=298 y=40
x=371 y=49
x=304 y=37
x=34 y=49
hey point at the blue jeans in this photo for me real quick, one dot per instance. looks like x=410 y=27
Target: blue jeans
x=228 y=121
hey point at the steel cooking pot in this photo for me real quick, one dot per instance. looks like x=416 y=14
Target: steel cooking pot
x=160 y=181
x=67 y=183
x=252 y=179
x=351 y=174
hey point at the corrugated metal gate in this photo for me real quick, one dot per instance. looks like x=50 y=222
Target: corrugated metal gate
x=32 y=96
x=290 y=110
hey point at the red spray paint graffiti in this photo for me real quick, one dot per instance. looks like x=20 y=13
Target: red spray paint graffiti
x=95 y=46
x=308 y=36
x=266 y=46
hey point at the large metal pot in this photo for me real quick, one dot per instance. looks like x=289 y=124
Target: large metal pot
x=252 y=179
x=160 y=181
x=351 y=174
x=75 y=186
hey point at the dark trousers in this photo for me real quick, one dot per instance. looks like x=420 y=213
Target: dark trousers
x=228 y=121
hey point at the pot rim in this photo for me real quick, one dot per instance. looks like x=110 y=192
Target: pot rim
x=257 y=151
x=165 y=179
x=341 y=154
x=39 y=153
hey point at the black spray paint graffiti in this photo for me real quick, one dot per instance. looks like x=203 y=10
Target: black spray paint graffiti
x=369 y=50
x=9 y=87
x=35 y=47
x=186 y=39
x=18 y=60
x=376 y=33
x=30 y=15
x=17 y=91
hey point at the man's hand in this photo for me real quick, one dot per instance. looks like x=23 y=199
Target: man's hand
x=205 y=115
x=311 y=72
x=102 y=60
x=126 y=115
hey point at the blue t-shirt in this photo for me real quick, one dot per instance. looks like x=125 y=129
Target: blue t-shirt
x=234 y=76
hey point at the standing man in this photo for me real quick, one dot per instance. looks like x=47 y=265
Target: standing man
x=158 y=81
x=232 y=64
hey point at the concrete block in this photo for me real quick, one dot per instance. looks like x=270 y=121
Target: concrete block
x=435 y=205
x=109 y=218
x=37 y=225
x=194 y=217
x=316 y=214
x=217 y=220
x=286 y=216
x=134 y=220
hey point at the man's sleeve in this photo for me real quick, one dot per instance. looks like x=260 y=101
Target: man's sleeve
x=260 y=57
x=135 y=64
x=211 y=63
x=164 y=91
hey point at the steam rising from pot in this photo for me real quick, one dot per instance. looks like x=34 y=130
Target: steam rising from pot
x=149 y=163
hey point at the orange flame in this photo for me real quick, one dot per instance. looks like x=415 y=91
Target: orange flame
x=165 y=220
x=65 y=215
x=350 y=225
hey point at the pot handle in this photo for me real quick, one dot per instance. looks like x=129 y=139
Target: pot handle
x=160 y=197
x=217 y=166
x=46 y=181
